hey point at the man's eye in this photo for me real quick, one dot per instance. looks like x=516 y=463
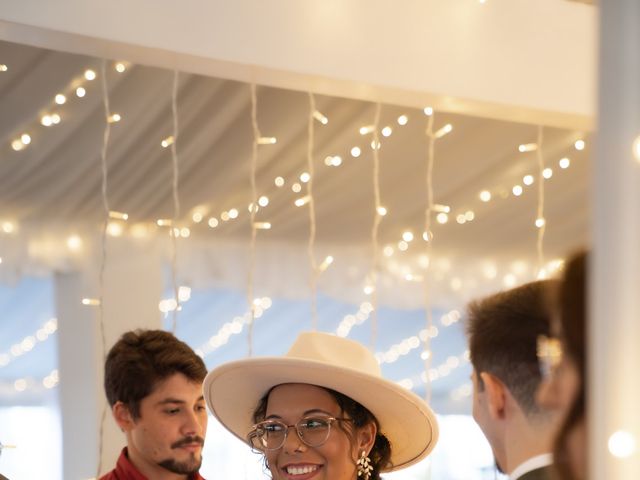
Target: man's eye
x=201 y=408
x=173 y=411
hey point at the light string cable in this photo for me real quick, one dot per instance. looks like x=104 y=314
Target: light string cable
x=176 y=200
x=252 y=214
x=428 y=237
x=540 y=220
x=313 y=278
x=103 y=242
x=376 y=224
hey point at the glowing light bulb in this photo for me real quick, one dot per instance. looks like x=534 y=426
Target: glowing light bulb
x=382 y=211
x=80 y=92
x=302 y=201
x=636 y=148
x=60 y=99
x=279 y=181
x=485 y=195
x=90 y=75
x=579 y=145
x=402 y=120
x=336 y=161
x=114 y=229
x=305 y=177
x=622 y=444
x=320 y=117
x=461 y=219
x=388 y=251
x=547 y=173
x=540 y=222
x=386 y=131
x=8 y=227
x=527 y=179
x=355 y=152
x=3 y=67
x=403 y=246
x=267 y=141
x=374 y=145
x=213 y=222
x=74 y=242
x=296 y=188
x=517 y=190
x=263 y=201
x=469 y=215
x=25 y=138
x=442 y=218
x=366 y=129
x=55 y=118
x=428 y=111
x=17 y=145
x=262 y=225
x=527 y=147
x=120 y=67
x=167 y=141
x=197 y=217
x=407 y=236
x=46 y=120
x=444 y=130
x=91 y=302
x=233 y=213
x=564 y=163
x=115 y=118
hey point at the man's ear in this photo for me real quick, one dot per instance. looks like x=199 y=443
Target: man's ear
x=366 y=437
x=122 y=416
x=495 y=393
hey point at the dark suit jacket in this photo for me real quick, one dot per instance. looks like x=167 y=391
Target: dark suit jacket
x=543 y=473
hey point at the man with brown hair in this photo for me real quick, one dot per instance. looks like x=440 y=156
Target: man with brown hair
x=503 y=331
x=153 y=383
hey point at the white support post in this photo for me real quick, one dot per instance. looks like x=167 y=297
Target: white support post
x=132 y=290
x=614 y=330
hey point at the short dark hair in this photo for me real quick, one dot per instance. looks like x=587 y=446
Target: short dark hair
x=142 y=358
x=380 y=453
x=503 y=331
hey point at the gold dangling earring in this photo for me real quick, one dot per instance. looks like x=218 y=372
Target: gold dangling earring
x=364 y=466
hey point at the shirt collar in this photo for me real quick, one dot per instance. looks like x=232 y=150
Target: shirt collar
x=533 y=463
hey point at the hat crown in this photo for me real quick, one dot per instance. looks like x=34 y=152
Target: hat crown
x=335 y=351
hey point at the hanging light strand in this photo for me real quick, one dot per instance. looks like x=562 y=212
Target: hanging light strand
x=176 y=200
x=103 y=245
x=540 y=220
x=252 y=213
x=313 y=277
x=426 y=341
x=376 y=224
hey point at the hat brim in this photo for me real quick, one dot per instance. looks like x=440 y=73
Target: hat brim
x=233 y=390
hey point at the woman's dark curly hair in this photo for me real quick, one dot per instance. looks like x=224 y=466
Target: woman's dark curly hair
x=380 y=453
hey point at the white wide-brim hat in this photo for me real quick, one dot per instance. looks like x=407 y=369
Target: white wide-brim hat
x=233 y=390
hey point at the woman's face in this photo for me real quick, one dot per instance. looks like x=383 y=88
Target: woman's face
x=336 y=458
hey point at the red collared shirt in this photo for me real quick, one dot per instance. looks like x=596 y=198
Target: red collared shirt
x=126 y=471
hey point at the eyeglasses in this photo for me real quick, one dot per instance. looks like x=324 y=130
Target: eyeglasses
x=272 y=434
x=549 y=355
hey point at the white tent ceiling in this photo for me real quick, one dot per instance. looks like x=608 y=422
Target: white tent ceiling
x=51 y=190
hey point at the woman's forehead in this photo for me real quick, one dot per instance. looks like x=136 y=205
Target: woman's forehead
x=300 y=398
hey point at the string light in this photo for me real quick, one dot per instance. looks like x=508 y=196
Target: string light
x=91 y=302
x=267 y=140
x=115 y=118
x=564 y=163
x=55 y=118
x=444 y=131
x=636 y=148
x=302 y=201
x=8 y=227
x=485 y=196
x=279 y=182
x=355 y=152
x=263 y=225
x=527 y=180
x=3 y=67
x=320 y=117
x=167 y=141
x=90 y=75
x=235 y=327
x=60 y=99
x=115 y=229
x=517 y=190
x=428 y=111
x=407 y=236
x=366 y=129
x=382 y=211
x=164 y=222
x=349 y=321
x=387 y=131
x=74 y=242
x=233 y=213
x=80 y=92
x=29 y=342
x=579 y=145
x=527 y=147
x=120 y=67
x=622 y=444
x=547 y=173
x=213 y=222
x=46 y=120
x=305 y=177
x=296 y=187
x=118 y=215
x=442 y=218
x=402 y=120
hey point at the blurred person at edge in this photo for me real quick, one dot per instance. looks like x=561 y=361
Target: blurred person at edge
x=503 y=331
x=563 y=361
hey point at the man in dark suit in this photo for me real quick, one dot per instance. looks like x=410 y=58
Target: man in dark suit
x=503 y=330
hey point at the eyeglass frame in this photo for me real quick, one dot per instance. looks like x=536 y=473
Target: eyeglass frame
x=330 y=419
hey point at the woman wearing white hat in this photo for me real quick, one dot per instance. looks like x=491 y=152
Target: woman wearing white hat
x=347 y=421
